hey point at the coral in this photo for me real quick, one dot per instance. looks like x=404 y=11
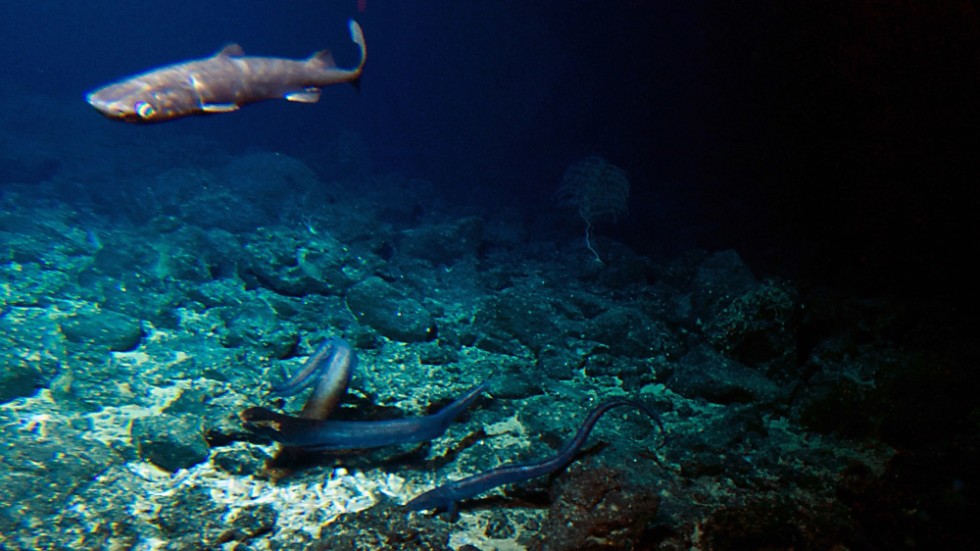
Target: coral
x=598 y=189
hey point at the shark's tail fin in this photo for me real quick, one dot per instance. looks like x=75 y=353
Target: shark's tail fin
x=357 y=35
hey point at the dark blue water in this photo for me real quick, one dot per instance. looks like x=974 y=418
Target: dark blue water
x=747 y=126
x=792 y=252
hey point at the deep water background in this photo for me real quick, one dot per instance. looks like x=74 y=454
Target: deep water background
x=791 y=285
x=832 y=140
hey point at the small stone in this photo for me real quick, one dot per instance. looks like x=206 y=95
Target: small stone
x=170 y=442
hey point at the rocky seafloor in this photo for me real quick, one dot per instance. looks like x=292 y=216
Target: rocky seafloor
x=136 y=324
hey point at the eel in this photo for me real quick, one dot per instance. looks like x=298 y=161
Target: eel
x=329 y=370
x=330 y=366
x=330 y=435
x=447 y=496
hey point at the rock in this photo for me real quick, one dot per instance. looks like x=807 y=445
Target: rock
x=34 y=351
x=629 y=332
x=530 y=317
x=390 y=312
x=758 y=328
x=444 y=244
x=294 y=264
x=170 y=442
x=255 y=324
x=718 y=279
x=597 y=509
x=17 y=378
x=704 y=373
x=115 y=331
x=211 y=526
x=781 y=524
x=46 y=463
x=240 y=461
x=384 y=526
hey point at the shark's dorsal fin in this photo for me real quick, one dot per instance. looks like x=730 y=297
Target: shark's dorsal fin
x=231 y=50
x=323 y=58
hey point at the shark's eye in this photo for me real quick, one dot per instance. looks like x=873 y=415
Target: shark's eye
x=144 y=110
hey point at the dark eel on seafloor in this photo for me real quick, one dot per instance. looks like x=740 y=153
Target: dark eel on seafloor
x=329 y=435
x=447 y=496
x=330 y=368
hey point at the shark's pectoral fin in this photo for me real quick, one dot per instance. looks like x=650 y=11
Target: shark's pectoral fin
x=219 y=107
x=309 y=95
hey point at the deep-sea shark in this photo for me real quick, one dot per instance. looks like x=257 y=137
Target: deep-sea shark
x=223 y=83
